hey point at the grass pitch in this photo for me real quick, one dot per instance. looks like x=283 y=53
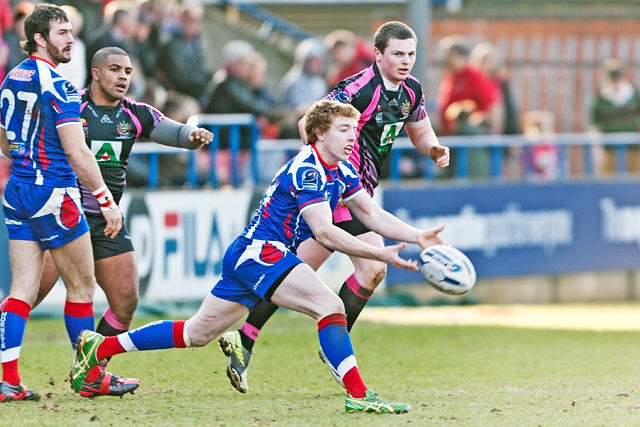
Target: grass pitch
x=452 y=375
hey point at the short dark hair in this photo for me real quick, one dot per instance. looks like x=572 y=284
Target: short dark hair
x=101 y=55
x=392 y=30
x=39 y=22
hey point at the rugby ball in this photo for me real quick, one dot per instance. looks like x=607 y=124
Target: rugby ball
x=447 y=269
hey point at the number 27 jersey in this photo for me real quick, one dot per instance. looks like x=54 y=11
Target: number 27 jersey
x=36 y=100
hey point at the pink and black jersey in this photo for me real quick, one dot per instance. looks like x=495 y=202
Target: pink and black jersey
x=110 y=133
x=304 y=181
x=383 y=115
x=36 y=101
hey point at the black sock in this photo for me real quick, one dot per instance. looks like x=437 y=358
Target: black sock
x=353 y=304
x=107 y=330
x=260 y=314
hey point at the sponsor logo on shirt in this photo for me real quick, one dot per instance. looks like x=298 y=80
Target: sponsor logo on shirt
x=17 y=147
x=85 y=127
x=105 y=119
x=107 y=153
x=22 y=75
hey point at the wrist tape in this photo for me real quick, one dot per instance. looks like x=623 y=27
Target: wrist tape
x=105 y=199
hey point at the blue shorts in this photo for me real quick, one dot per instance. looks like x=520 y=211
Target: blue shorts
x=252 y=270
x=48 y=215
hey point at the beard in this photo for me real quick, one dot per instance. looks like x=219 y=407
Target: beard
x=57 y=54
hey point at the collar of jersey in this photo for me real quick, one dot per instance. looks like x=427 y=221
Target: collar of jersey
x=325 y=164
x=42 y=59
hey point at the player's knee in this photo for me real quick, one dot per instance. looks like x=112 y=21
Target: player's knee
x=378 y=275
x=374 y=276
x=332 y=306
x=128 y=308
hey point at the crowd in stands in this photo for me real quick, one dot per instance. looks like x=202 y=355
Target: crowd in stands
x=164 y=39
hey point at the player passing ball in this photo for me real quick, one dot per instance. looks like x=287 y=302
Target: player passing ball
x=261 y=264
x=389 y=99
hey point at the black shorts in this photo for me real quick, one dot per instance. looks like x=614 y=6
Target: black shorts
x=105 y=246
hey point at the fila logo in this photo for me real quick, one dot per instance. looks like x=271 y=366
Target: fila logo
x=105 y=119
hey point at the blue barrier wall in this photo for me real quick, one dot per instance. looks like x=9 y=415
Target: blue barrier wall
x=527 y=229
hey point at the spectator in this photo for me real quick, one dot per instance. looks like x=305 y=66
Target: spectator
x=487 y=58
x=232 y=94
x=257 y=81
x=542 y=159
x=121 y=19
x=15 y=34
x=304 y=83
x=93 y=17
x=144 y=43
x=349 y=55
x=75 y=70
x=462 y=81
x=173 y=167
x=6 y=15
x=181 y=60
x=4 y=57
x=460 y=113
x=615 y=108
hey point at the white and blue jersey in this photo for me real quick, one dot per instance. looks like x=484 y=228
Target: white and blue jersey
x=36 y=100
x=41 y=201
x=265 y=251
x=304 y=181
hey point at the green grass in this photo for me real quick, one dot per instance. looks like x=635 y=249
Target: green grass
x=453 y=376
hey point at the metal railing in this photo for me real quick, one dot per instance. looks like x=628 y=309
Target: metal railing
x=461 y=146
x=261 y=165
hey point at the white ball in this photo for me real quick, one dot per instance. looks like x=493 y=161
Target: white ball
x=447 y=269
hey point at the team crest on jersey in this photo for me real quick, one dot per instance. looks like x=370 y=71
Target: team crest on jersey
x=22 y=75
x=310 y=179
x=70 y=90
x=123 y=129
x=405 y=108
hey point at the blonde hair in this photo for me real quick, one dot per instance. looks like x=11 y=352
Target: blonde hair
x=320 y=116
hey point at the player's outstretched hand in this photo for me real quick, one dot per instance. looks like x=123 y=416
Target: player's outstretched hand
x=440 y=155
x=113 y=217
x=390 y=256
x=430 y=237
x=200 y=136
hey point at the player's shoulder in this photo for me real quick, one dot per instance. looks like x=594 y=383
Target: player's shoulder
x=347 y=169
x=414 y=84
x=358 y=85
x=140 y=108
x=305 y=170
x=24 y=74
